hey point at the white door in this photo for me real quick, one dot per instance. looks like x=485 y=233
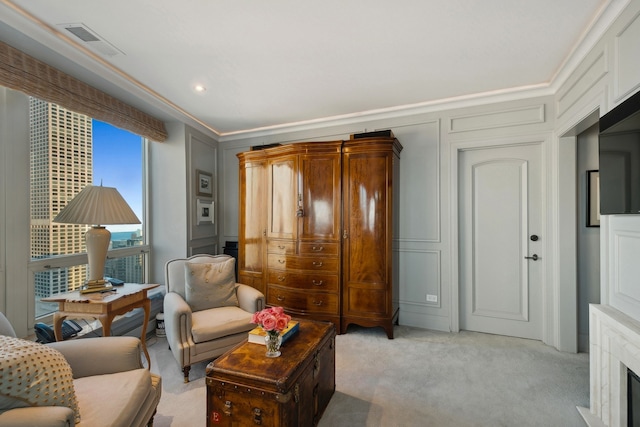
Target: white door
x=500 y=220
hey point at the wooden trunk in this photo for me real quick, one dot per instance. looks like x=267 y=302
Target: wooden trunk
x=245 y=388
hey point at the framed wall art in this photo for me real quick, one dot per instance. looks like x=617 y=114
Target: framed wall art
x=204 y=184
x=205 y=212
x=593 y=198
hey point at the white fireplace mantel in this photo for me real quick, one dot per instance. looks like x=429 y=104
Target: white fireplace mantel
x=614 y=340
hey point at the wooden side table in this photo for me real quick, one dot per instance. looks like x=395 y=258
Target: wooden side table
x=104 y=306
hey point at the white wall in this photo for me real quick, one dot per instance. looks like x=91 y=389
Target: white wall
x=167 y=200
x=172 y=198
x=201 y=155
x=16 y=297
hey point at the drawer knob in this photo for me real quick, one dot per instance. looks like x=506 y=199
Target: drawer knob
x=281 y=278
x=281 y=247
x=317 y=303
x=280 y=298
x=281 y=261
x=317 y=283
x=317 y=263
x=257 y=416
x=317 y=248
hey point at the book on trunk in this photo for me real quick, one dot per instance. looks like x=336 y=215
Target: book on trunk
x=257 y=334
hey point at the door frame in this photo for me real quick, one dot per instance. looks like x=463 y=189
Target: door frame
x=549 y=286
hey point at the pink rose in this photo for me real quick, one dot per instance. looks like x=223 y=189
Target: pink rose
x=269 y=323
x=263 y=315
x=254 y=318
x=282 y=322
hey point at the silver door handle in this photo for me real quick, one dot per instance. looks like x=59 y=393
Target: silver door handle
x=535 y=257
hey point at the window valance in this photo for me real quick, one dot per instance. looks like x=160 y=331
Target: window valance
x=22 y=72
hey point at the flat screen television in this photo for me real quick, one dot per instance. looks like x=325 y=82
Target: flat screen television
x=619 y=152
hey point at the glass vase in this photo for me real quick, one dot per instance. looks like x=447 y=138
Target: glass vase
x=273 y=340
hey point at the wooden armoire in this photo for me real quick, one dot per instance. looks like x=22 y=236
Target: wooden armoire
x=317 y=223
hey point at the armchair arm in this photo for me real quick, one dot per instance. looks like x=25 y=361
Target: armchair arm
x=177 y=319
x=41 y=416
x=250 y=299
x=97 y=356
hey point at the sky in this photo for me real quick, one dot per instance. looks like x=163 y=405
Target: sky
x=117 y=162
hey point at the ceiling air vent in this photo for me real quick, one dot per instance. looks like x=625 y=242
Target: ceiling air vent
x=91 y=39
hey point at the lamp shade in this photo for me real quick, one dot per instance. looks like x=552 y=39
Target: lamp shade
x=97 y=205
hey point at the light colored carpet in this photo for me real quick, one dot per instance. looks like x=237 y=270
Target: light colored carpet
x=420 y=378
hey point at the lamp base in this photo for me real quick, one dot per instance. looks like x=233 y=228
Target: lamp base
x=96 y=286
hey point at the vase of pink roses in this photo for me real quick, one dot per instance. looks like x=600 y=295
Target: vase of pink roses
x=273 y=321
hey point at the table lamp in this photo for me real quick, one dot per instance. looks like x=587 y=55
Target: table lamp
x=96 y=206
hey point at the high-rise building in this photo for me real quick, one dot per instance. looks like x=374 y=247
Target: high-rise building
x=128 y=269
x=61 y=166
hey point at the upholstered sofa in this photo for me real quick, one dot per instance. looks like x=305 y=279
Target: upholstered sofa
x=110 y=384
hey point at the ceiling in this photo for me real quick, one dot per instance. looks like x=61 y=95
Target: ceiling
x=276 y=64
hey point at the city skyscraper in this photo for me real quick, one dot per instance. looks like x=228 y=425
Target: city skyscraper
x=61 y=166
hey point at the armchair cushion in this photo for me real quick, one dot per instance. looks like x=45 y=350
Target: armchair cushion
x=32 y=374
x=210 y=285
x=128 y=392
x=209 y=325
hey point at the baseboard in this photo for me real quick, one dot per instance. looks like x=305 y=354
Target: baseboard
x=425 y=321
x=589 y=418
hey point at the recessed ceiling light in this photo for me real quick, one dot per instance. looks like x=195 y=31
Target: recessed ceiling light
x=199 y=88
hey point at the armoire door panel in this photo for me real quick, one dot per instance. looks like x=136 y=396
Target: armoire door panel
x=283 y=198
x=369 y=180
x=367 y=302
x=320 y=190
x=365 y=211
x=252 y=221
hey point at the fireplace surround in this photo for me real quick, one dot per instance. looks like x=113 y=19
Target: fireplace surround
x=614 y=347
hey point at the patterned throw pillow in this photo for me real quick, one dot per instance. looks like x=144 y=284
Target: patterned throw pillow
x=32 y=374
x=210 y=285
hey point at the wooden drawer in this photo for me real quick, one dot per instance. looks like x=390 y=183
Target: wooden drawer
x=292 y=262
x=281 y=247
x=319 y=248
x=302 y=301
x=318 y=282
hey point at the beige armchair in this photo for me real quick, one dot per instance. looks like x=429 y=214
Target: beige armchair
x=206 y=312
x=111 y=387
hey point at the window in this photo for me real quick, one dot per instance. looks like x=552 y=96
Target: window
x=69 y=151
